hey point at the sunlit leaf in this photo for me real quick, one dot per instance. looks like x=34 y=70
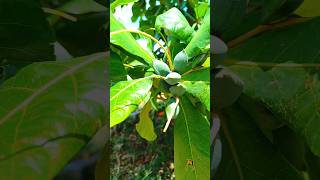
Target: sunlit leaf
x=126 y=96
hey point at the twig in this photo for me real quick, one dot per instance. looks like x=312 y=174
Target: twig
x=263 y=28
x=60 y=14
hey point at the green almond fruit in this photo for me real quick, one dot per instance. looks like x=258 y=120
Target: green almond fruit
x=178 y=90
x=160 y=67
x=180 y=62
x=173 y=78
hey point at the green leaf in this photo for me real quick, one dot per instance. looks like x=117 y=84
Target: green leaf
x=125 y=98
x=290 y=93
x=116 y=68
x=313 y=166
x=288 y=90
x=25 y=34
x=227 y=88
x=174 y=23
x=201 y=74
x=120 y=3
x=234 y=18
x=309 y=8
x=80 y=41
x=48 y=112
x=291 y=146
x=227 y=14
x=200 y=90
x=201 y=9
x=145 y=126
x=246 y=153
x=127 y=42
x=298 y=44
x=201 y=38
x=191 y=143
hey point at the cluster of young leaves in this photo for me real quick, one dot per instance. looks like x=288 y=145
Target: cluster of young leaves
x=267 y=117
x=52 y=101
x=173 y=79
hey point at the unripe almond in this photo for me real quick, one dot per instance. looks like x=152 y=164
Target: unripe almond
x=173 y=78
x=160 y=67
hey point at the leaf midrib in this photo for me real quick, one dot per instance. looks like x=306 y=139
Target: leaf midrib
x=46 y=86
x=189 y=140
x=127 y=87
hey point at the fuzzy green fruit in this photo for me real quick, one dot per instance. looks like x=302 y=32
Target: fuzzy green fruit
x=180 y=62
x=178 y=90
x=173 y=78
x=160 y=67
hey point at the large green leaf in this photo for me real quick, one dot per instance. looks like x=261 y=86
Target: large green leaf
x=200 y=90
x=287 y=89
x=174 y=23
x=290 y=93
x=127 y=41
x=191 y=143
x=201 y=39
x=126 y=96
x=48 y=112
x=246 y=153
x=25 y=35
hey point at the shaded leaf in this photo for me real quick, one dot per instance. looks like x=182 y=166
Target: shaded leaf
x=291 y=94
x=246 y=153
x=227 y=88
x=48 y=112
x=80 y=41
x=289 y=90
x=298 y=44
x=25 y=35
